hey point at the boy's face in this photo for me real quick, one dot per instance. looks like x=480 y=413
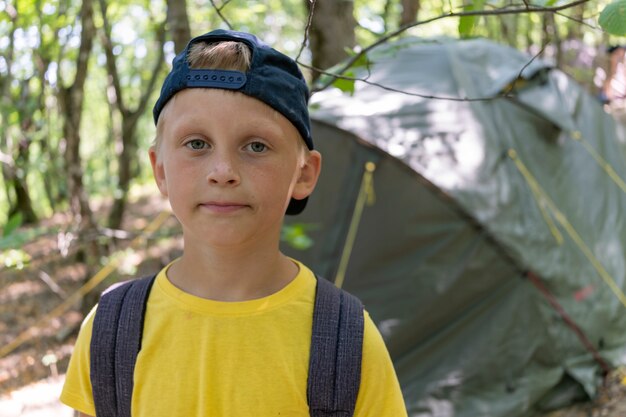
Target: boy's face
x=229 y=164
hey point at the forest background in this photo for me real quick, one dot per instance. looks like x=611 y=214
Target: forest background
x=77 y=83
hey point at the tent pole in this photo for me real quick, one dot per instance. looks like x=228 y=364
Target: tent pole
x=366 y=194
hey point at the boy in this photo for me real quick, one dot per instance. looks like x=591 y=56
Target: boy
x=227 y=326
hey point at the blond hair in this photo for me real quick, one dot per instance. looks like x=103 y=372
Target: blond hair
x=226 y=55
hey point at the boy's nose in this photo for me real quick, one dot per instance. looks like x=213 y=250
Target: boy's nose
x=223 y=172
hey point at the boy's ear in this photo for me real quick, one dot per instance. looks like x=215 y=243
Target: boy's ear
x=158 y=171
x=309 y=174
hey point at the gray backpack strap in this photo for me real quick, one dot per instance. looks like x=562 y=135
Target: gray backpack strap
x=115 y=343
x=336 y=352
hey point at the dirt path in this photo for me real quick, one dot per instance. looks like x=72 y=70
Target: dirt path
x=37 y=400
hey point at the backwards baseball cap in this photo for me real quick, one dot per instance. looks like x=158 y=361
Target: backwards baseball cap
x=273 y=78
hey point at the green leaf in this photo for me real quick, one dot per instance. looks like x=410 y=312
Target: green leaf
x=22 y=237
x=467 y=23
x=347 y=86
x=13 y=223
x=362 y=62
x=545 y=3
x=613 y=18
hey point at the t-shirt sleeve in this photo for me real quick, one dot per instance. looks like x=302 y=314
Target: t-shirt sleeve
x=77 y=388
x=379 y=394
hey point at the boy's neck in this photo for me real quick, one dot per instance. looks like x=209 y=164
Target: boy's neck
x=224 y=275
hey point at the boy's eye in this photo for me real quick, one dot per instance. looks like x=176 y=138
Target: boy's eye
x=196 y=144
x=257 y=147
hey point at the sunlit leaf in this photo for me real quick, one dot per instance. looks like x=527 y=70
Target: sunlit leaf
x=295 y=235
x=14 y=258
x=613 y=18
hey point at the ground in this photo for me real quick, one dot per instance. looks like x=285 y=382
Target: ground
x=48 y=279
x=31 y=374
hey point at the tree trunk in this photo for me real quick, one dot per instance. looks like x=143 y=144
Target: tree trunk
x=331 y=32
x=53 y=186
x=125 y=174
x=551 y=35
x=130 y=118
x=178 y=22
x=410 y=8
x=71 y=99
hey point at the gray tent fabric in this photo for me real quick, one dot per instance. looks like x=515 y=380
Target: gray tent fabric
x=490 y=169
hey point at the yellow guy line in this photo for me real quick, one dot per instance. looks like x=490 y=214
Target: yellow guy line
x=366 y=194
x=562 y=220
x=535 y=188
x=607 y=167
x=88 y=286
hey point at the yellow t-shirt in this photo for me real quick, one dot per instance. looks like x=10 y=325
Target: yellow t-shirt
x=208 y=358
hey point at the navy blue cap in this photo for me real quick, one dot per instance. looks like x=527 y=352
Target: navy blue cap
x=273 y=78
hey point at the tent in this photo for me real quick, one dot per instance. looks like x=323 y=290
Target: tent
x=474 y=198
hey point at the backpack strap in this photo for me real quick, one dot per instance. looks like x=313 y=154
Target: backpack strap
x=115 y=343
x=334 y=364
x=336 y=352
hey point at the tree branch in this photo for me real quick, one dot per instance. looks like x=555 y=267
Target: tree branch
x=224 y=4
x=511 y=86
x=503 y=11
x=305 y=40
x=395 y=90
x=581 y=21
x=143 y=101
x=219 y=13
x=111 y=60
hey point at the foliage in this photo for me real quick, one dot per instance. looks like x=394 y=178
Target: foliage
x=14 y=259
x=39 y=43
x=296 y=235
x=18 y=238
x=12 y=224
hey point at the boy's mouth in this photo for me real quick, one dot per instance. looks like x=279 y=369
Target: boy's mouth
x=223 y=206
